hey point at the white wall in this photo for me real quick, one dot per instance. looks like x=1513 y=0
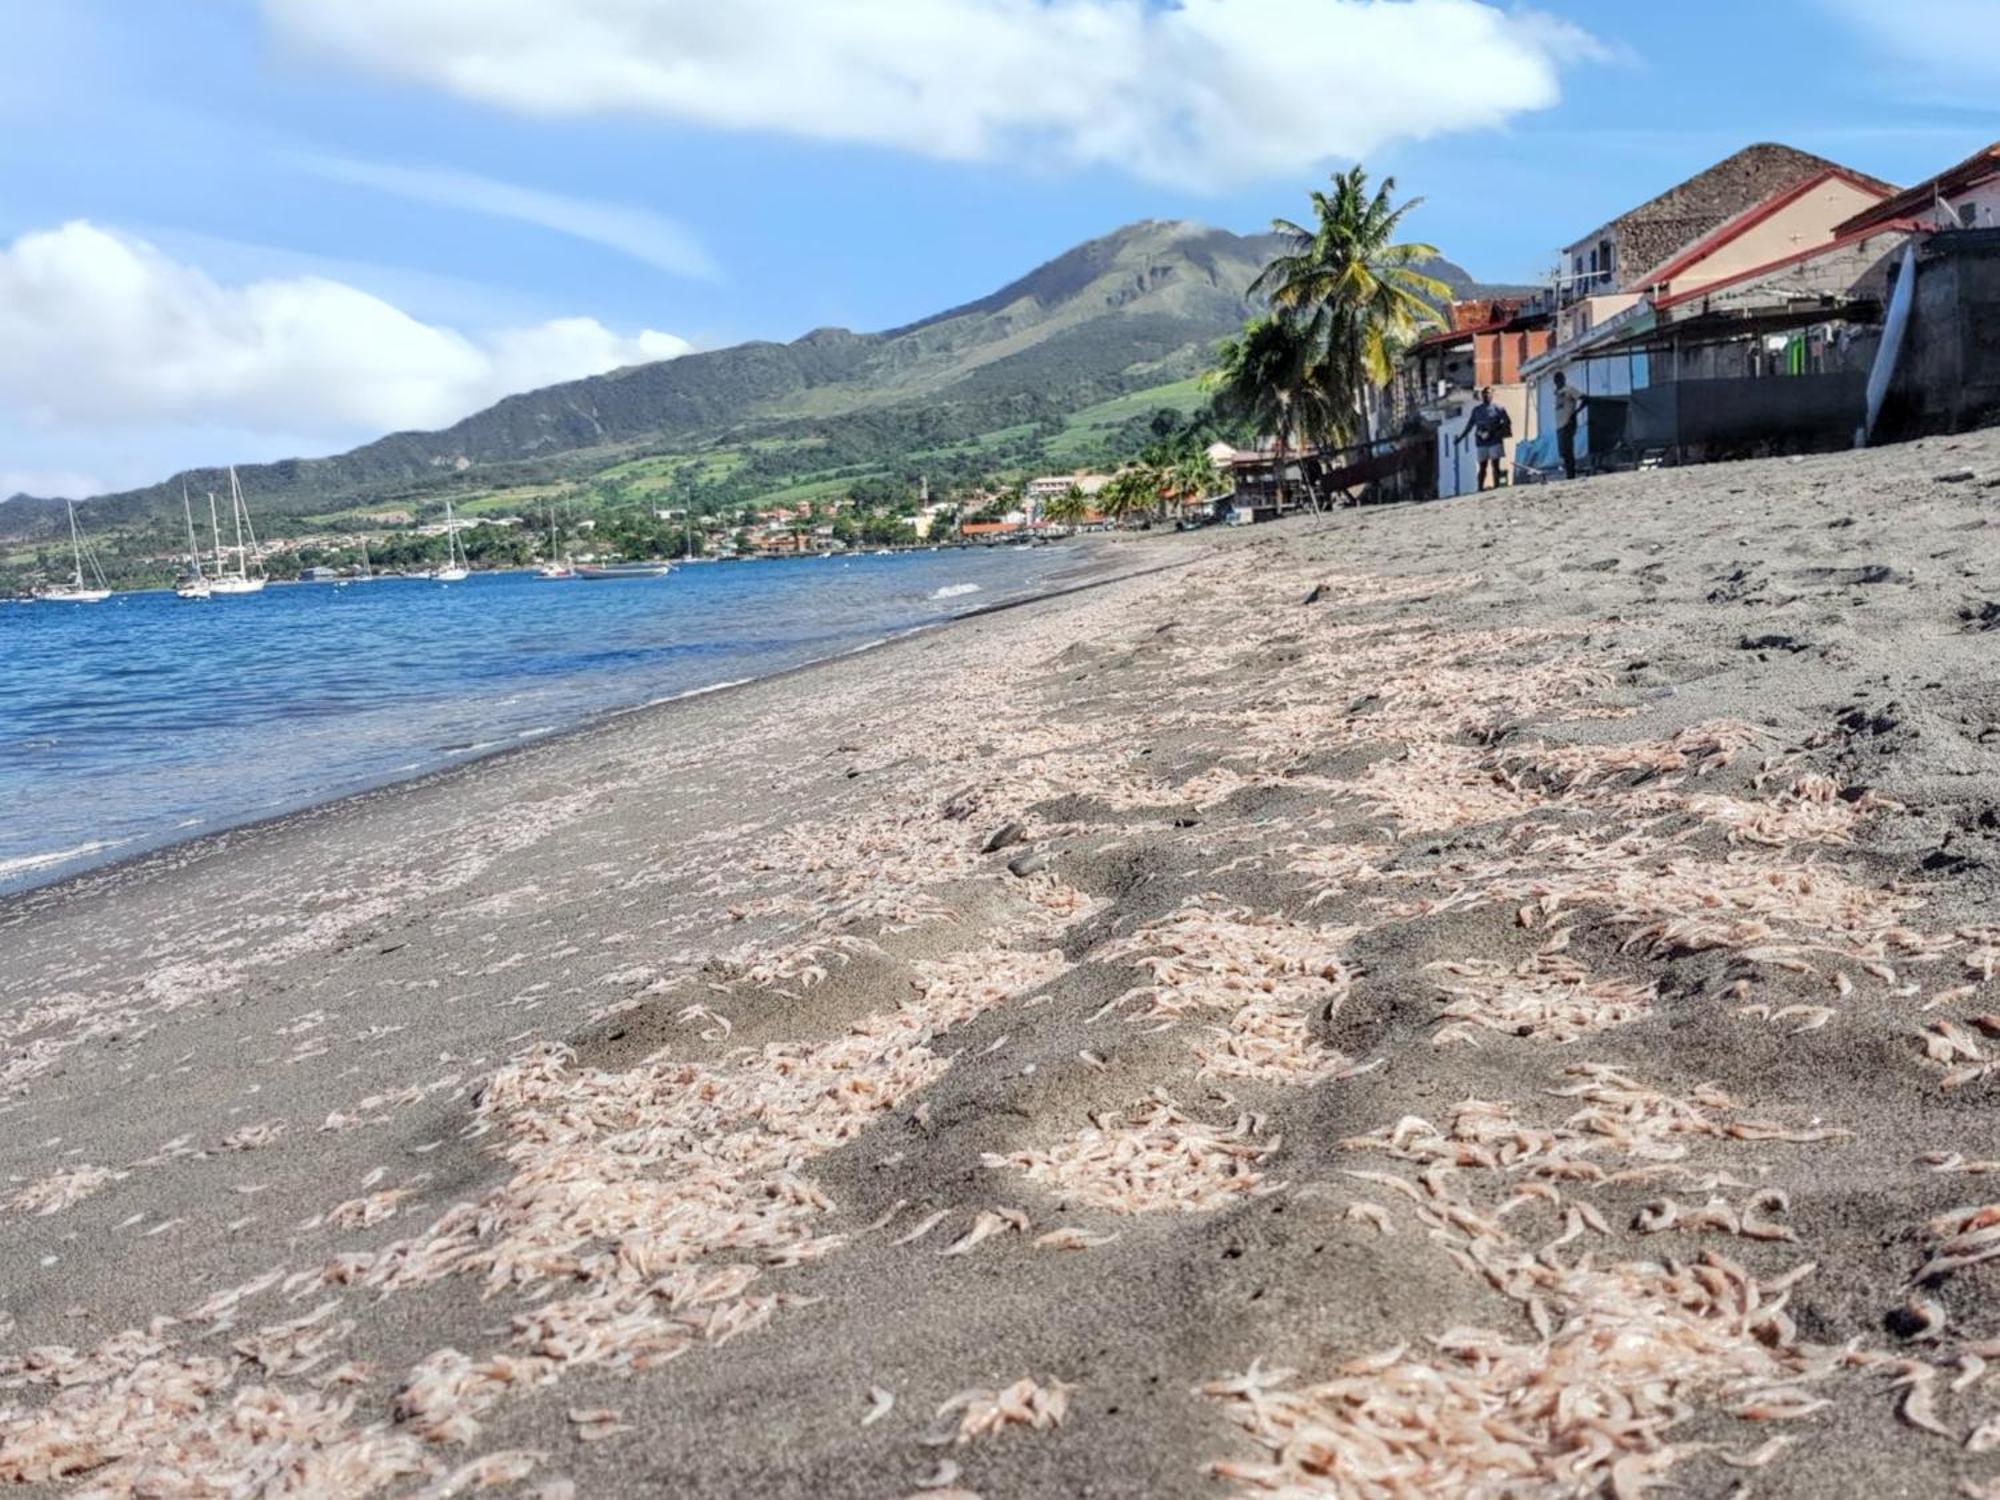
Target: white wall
x=1984 y=200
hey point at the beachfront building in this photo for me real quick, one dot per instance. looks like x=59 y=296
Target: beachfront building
x=1750 y=215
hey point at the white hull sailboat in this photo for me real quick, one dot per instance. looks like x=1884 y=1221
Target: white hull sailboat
x=555 y=567
x=454 y=569
x=241 y=581
x=76 y=591
x=193 y=584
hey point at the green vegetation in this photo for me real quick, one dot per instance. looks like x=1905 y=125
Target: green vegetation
x=1088 y=363
x=1271 y=379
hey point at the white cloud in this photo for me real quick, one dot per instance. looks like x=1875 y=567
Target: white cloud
x=638 y=232
x=1203 y=92
x=101 y=331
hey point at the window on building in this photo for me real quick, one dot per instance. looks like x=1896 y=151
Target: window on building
x=1604 y=256
x=1968 y=215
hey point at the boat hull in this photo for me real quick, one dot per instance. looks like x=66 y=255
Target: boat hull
x=625 y=570
x=236 y=586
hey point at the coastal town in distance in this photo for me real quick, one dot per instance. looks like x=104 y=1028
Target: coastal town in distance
x=667 y=829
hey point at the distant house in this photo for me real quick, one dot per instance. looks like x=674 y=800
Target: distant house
x=988 y=530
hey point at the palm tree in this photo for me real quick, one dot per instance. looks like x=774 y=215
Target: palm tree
x=1192 y=477
x=1347 y=278
x=1272 y=376
x=1068 y=508
x=1129 y=492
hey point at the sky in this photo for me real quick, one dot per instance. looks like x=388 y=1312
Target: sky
x=241 y=230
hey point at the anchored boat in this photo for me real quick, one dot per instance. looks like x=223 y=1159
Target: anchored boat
x=241 y=581
x=77 y=591
x=193 y=583
x=601 y=571
x=558 y=565
x=454 y=569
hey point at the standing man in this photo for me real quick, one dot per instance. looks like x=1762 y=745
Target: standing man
x=1569 y=406
x=1490 y=426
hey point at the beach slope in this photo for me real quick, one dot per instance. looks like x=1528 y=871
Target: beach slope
x=1494 y=997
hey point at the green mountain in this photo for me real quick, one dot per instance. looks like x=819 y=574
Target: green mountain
x=1136 y=310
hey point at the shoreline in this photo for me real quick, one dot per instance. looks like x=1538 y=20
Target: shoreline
x=72 y=883
x=1570 y=914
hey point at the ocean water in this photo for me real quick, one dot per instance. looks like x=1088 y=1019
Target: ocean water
x=145 y=719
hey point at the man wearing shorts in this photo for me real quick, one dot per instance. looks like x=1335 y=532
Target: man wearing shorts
x=1489 y=425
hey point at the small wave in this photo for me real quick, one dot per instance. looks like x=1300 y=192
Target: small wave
x=55 y=856
x=954 y=590
x=700 y=692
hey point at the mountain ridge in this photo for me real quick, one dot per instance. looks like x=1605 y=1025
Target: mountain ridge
x=1138 y=306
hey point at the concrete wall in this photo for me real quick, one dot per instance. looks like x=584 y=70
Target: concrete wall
x=1857 y=269
x=1950 y=377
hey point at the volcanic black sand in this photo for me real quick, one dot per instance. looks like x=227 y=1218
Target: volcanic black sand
x=1493 y=997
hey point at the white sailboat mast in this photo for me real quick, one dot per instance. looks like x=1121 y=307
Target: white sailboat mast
x=243 y=519
x=236 y=512
x=215 y=533
x=75 y=543
x=187 y=510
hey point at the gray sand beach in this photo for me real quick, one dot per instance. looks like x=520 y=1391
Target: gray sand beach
x=1494 y=997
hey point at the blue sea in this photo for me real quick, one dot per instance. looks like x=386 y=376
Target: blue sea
x=147 y=719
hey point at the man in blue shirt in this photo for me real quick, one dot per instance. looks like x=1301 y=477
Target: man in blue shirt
x=1490 y=426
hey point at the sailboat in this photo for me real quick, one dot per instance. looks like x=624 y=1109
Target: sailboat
x=454 y=569
x=76 y=592
x=555 y=567
x=239 y=582
x=193 y=583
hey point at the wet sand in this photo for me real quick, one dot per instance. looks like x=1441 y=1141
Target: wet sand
x=1605 y=872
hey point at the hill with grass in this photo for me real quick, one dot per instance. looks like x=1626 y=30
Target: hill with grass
x=1052 y=368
